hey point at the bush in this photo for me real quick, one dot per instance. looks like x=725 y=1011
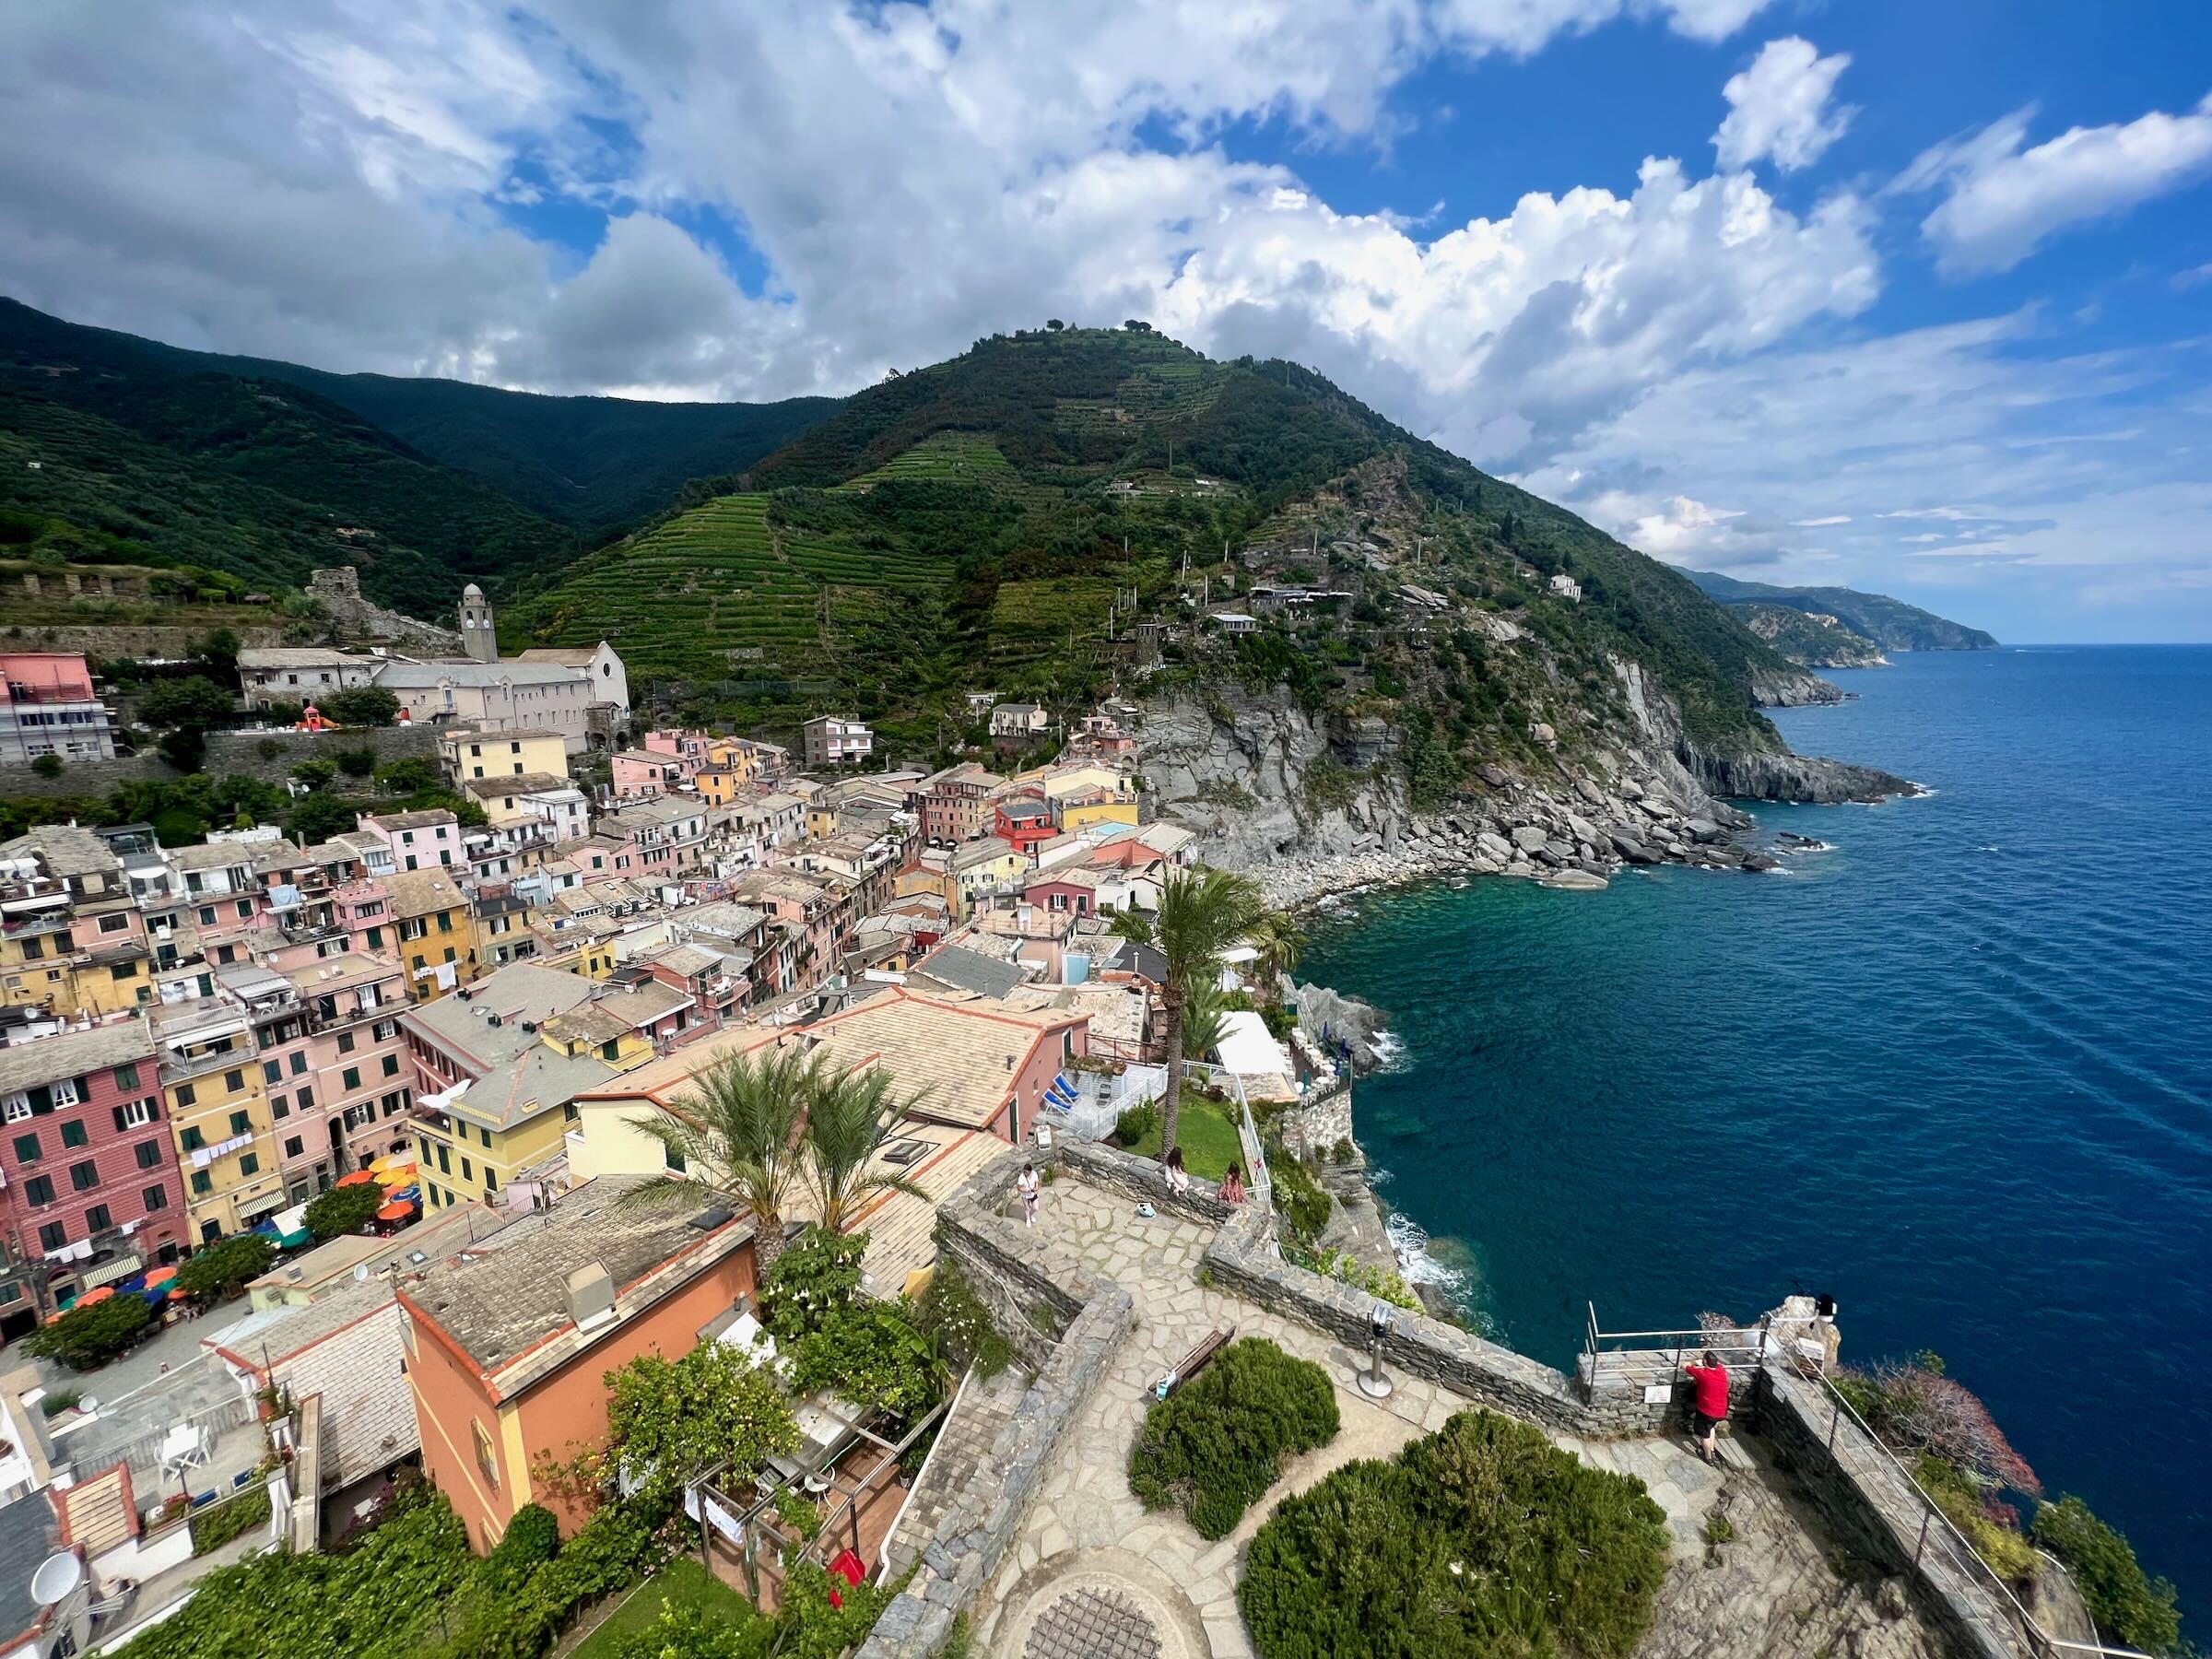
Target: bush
x=91 y=1334
x=1217 y=1443
x=47 y=765
x=954 y=1316
x=57 y=1400
x=223 y=1268
x=361 y=706
x=343 y=1209
x=1298 y=1199
x=1137 y=1123
x=1994 y=1539
x=233 y=1519
x=2127 y=1604
x=1483 y=1540
x=817 y=1276
x=356 y=762
x=873 y=1354
x=531 y=1537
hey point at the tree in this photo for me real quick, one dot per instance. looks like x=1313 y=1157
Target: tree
x=361 y=706
x=669 y=1420
x=1054 y=325
x=1202 y=913
x=218 y=653
x=2127 y=1604
x=316 y=774
x=223 y=1268
x=91 y=1334
x=356 y=762
x=735 y=1137
x=47 y=765
x=816 y=1279
x=1279 y=940
x=320 y=816
x=184 y=748
x=409 y=775
x=343 y=1209
x=195 y=700
x=1204 y=1013
x=848 y=1122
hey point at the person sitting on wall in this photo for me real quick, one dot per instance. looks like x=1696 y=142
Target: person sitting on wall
x=1179 y=1178
x=1232 y=1185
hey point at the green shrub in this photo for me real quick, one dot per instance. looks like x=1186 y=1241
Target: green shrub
x=1137 y=1122
x=1298 y=1199
x=805 y=1519
x=233 y=1519
x=532 y=1537
x=818 y=1276
x=343 y=1209
x=91 y=1334
x=2010 y=1556
x=1483 y=1540
x=1217 y=1443
x=47 y=765
x=955 y=1317
x=222 y=1268
x=873 y=1354
x=692 y=1633
x=2127 y=1604
x=57 y=1400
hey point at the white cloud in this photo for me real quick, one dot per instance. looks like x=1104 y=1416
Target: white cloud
x=2002 y=201
x=1821 y=523
x=1779 y=107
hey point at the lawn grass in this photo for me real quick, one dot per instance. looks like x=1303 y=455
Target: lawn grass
x=683 y=1584
x=1208 y=1137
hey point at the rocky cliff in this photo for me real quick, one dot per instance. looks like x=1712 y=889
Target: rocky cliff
x=1268 y=789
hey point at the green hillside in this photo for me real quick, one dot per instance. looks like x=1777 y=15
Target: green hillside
x=1890 y=623
x=261 y=478
x=1809 y=639
x=987 y=521
x=586 y=462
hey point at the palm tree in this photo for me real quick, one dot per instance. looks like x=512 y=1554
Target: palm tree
x=1205 y=1016
x=1202 y=913
x=1279 y=940
x=737 y=1136
x=849 y=1119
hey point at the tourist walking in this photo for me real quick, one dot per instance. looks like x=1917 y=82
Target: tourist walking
x=1712 y=1406
x=1028 y=1186
x=1178 y=1178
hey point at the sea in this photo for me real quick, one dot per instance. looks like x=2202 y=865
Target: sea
x=1953 y=1067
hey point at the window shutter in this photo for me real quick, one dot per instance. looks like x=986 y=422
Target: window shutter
x=119 y=1123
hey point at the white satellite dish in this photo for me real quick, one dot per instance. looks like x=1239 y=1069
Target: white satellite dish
x=56 y=1580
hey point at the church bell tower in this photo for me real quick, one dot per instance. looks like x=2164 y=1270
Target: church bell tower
x=478 y=635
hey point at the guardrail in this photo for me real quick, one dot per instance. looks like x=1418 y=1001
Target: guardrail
x=1663 y=1353
x=1256 y=1182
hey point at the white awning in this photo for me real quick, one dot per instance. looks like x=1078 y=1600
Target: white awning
x=107 y=1273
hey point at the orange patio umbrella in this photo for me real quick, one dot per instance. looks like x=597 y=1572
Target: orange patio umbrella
x=395 y=1212
x=161 y=1276
x=99 y=1295
x=358 y=1178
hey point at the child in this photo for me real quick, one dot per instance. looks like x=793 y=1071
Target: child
x=1179 y=1178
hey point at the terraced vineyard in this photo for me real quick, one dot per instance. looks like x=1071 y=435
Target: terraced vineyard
x=720 y=579
x=946 y=457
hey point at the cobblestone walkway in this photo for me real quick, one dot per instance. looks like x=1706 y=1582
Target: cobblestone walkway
x=1771 y=1591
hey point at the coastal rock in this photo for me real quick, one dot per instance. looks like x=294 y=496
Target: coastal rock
x=1343 y=1019
x=1496 y=845
x=1576 y=881
x=1634 y=851
x=1592 y=795
x=1496 y=777
x=1701 y=829
x=1528 y=837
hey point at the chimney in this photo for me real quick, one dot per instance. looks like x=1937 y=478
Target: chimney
x=590 y=1295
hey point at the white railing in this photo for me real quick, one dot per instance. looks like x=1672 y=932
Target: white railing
x=1256 y=1182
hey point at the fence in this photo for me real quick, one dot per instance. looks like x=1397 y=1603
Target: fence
x=1662 y=1355
x=1257 y=1184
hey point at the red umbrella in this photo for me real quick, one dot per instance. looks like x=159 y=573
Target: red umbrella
x=357 y=1178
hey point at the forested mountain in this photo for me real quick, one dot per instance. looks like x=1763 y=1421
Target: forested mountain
x=1809 y=639
x=1000 y=520
x=1890 y=623
x=269 y=470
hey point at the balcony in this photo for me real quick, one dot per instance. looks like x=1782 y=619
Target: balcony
x=183 y=1068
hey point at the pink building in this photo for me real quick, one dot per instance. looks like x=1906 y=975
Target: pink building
x=667 y=836
x=417 y=841
x=691 y=748
x=91 y=1191
x=339 y=1083
x=48 y=706
x=641 y=773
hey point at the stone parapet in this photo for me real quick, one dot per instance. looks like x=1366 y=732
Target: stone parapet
x=1866 y=1502
x=1018 y=1272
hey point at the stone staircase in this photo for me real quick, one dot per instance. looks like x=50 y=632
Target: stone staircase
x=980 y=1411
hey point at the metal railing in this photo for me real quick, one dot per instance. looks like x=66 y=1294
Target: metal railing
x=1256 y=1182
x=1663 y=1353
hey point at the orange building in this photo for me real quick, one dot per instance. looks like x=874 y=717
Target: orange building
x=507 y=1344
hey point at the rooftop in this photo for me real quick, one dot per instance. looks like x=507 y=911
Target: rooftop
x=64 y=850
x=73 y=1054
x=506 y=1306
x=958 y=968
x=508 y=670
x=960 y=1056
x=428 y=819
x=522 y=783
x=523 y=1085
x=567 y=656
x=313 y=656
x=418 y=892
x=517 y=994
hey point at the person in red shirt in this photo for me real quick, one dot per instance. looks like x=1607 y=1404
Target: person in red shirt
x=1712 y=1407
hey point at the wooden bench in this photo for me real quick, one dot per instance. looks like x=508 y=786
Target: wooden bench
x=1191 y=1363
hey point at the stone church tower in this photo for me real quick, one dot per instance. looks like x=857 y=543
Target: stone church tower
x=477 y=636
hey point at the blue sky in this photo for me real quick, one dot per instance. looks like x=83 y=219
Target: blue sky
x=1908 y=296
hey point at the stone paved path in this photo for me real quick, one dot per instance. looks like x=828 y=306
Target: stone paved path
x=1769 y=1591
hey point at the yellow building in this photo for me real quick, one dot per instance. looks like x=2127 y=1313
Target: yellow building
x=498 y=1074
x=1073 y=818
x=468 y=755
x=76 y=942
x=218 y=1115
x=718 y=785
x=437 y=938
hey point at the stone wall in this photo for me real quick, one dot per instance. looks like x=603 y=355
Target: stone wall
x=1865 y=1501
x=140 y=641
x=1003 y=1259
x=240 y=752
x=1312 y=1128
x=352 y=617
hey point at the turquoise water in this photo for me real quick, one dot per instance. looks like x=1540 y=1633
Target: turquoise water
x=1957 y=1070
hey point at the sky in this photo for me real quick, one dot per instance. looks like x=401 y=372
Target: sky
x=1910 y=297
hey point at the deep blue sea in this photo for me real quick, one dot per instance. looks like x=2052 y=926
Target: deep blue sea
x=1957 y=1070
